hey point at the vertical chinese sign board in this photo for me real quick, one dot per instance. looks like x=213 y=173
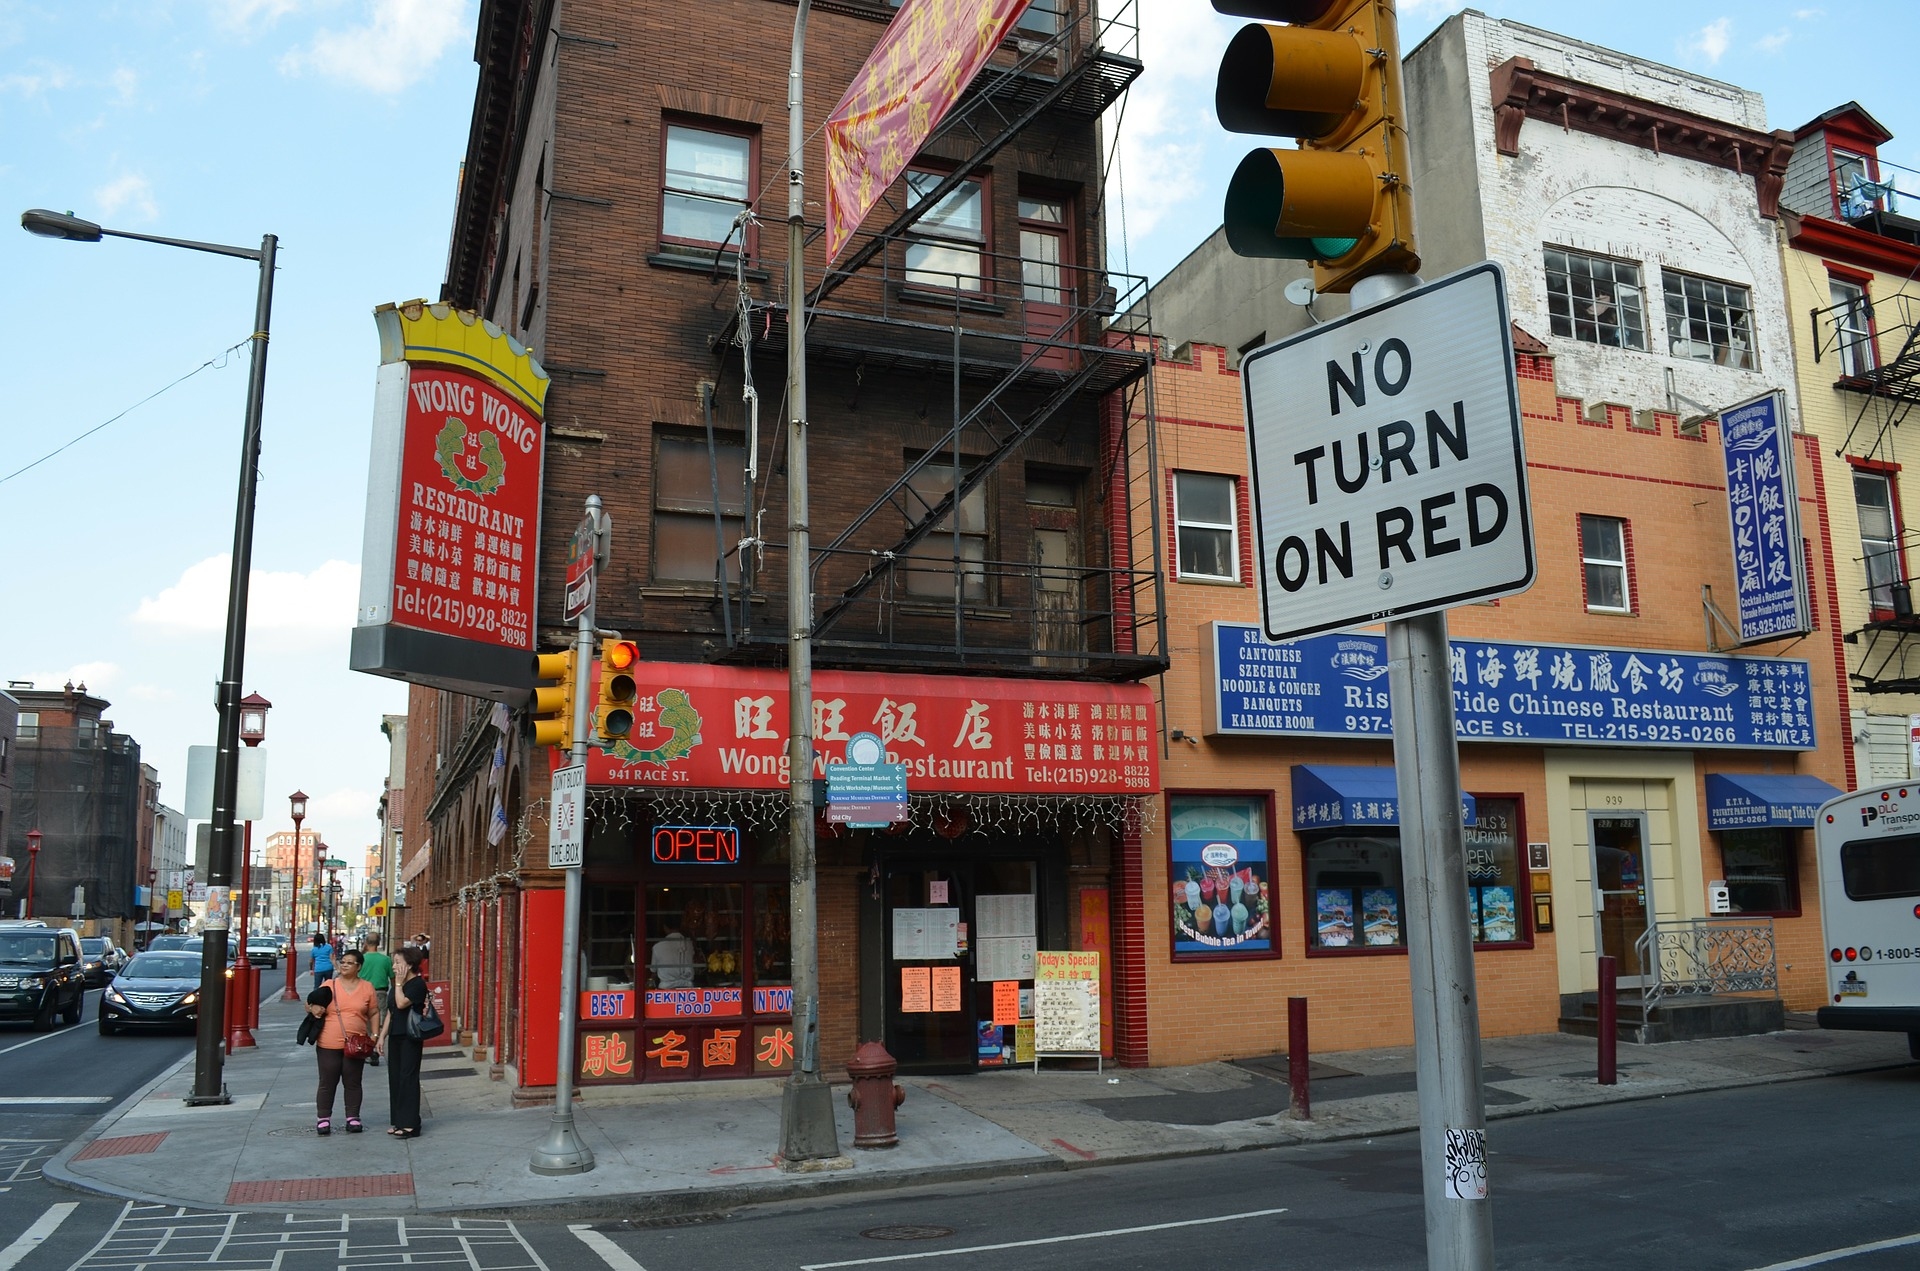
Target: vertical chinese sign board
x=1763 y=511
x=450 y=557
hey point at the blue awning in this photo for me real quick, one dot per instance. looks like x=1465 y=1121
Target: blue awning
x=1739 y=800
x=1329 y=796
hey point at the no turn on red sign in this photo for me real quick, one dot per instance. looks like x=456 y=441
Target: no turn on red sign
x=1389 y=473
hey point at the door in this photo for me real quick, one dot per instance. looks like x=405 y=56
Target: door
x=1044 y=290
x=929 y=990
x=1053 y=509
x=1622 y=897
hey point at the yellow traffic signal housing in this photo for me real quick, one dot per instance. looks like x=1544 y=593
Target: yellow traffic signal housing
x=613 y=715
x=1331 y=79
x=552 y=705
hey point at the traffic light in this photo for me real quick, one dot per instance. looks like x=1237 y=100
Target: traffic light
x=1331 y=79
x=613 y=717
x=552 y=706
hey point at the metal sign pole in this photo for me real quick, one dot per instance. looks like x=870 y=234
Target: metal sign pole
x=562 y=1152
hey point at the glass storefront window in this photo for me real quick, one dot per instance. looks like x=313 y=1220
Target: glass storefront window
x=693 y=936
x=609 y=937
x=772 y=937
x=1354 y=892
x=1760 y=870
x=1493 y=873
x=1220 y=865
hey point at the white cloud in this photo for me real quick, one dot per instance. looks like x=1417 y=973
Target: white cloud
x=1775 y=42
x=1808 y=15
x=395 y=49
x=1162 y=137
x=244 y=15
x=126 y=83
x=45 y=77
x=1710 y=42
x=288 y=608
x=130 y=192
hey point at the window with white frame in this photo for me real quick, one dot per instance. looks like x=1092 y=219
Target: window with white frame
x=1879 y=534
x=949 y=240
x=1852 y=326
x=1595 y=299
x=708 y=181
x=930 y=565
x=1603 y=554
x=1708 y=321
x=1206 y=525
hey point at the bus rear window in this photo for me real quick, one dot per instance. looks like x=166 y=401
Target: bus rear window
x=1881 y=869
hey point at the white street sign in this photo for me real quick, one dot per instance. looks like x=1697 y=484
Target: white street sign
x=1389 y=474
x=566 y=831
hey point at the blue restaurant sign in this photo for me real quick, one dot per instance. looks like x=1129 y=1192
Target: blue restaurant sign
x=1763 y=513
x=1523 y=692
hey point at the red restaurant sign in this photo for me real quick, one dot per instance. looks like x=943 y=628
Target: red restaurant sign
x=715 y=727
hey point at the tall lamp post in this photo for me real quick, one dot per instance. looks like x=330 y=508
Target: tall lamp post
x=208 y=1070
x=253 y=731
x=298 y=802
x=333 y=903
x=33 y=861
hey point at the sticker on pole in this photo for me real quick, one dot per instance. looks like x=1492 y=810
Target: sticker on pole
x=566 y=829
x=1389 y=471
x=1466 y=1164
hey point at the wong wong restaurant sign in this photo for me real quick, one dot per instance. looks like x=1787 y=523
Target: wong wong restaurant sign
x=449 y=562
x=717 y=727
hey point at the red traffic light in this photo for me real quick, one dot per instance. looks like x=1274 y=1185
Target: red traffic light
x=618 y=655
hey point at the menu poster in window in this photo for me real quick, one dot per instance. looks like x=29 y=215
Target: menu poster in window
x=946 y=989
x=916 y=990
x=1023 y=1042
x=1006 y=1002
x=925 y=933
x=1333 y=916
x=1499 y=915
x=1006 y=958
x=937 y=892
x=1004 y=915
x=1380 y=910
x=1221 y=896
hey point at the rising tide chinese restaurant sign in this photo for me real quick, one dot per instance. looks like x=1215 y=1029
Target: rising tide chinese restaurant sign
x=718 y=727
x=449 y=559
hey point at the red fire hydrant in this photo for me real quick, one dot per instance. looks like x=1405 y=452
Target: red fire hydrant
x=874 y=1096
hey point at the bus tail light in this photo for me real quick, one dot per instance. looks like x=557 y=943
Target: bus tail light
x=1835 y=955
x=1852 y=953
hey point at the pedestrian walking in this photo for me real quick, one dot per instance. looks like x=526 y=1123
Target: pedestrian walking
x=408 y=998
x=346 y=1039
x=322 y=960
x=376 y=968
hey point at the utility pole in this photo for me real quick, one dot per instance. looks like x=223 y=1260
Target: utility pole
x=807 y=1132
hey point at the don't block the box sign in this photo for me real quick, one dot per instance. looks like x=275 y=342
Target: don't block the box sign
x=450 y=558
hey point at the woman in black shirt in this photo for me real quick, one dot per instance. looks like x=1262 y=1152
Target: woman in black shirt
x=409 y=998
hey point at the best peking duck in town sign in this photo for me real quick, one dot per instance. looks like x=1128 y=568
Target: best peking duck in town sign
x=718 y=727
x=450 y=556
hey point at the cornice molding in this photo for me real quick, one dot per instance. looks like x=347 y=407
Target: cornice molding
x=1837 y=241
x=1523 y=91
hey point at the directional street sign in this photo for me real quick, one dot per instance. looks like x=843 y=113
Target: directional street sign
x=1389 y=476
x=866 y=791
x=566 y=831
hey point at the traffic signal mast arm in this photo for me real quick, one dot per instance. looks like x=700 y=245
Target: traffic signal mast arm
x=1331 y=79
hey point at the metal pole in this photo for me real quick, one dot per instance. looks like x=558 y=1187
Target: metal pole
x=239 y=1036
x=562 y=1152
x=292 y=994
x=1609 y=1021
x=1299 y=1096
x=1446 y=1017
x=208 y=1084
x=807 y=1131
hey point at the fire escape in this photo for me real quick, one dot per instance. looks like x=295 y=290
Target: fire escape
x=1024 y=354
x=1885 y=390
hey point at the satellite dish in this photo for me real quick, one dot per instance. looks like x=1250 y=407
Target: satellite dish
x=1300 y=292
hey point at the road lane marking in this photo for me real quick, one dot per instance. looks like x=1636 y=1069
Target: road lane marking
x=1023 y=1244
x=17 y=1100
x=1817 y=1259
x=610 y=1253
x=33 y=1237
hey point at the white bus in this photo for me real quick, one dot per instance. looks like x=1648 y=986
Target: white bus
x=1869 y=848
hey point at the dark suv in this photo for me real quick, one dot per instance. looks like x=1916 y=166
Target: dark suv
x=41 y=975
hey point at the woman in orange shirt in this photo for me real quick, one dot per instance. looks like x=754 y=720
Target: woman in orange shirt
x=346 y=1039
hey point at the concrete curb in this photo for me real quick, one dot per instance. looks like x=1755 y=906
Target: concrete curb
x=55 y=1167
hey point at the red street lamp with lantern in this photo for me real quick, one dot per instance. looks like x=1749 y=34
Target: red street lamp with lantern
x=297 y=801
x=245 y=1001
x=33 y=860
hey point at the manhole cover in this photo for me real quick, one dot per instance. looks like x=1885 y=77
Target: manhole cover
x=907 y=1232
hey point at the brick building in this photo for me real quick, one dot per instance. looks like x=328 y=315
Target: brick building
x=987 y=583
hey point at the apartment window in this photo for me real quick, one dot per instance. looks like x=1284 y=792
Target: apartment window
x=1206 y=527
x=1043 y=243
x=1879 y=534
x=1603 y=554
x=709 y=179
x=1852 y=326
x=1595 y=299
x=1708 y=321
x=683 y=505
x=1761 y=871
x=950 y=239
x=929 y=570
x=1853 y=186
x=29 y=725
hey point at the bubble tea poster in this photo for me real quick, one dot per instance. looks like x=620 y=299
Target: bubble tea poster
x=1221 y=896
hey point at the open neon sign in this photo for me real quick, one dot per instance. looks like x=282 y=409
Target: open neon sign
x=696 y=845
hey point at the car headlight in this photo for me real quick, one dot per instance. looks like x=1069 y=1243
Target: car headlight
x=190 y=999
x=113 y=995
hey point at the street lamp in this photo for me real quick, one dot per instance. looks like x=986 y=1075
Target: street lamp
x=333 y=903
x=253 y=731
x=208 y=1086
x=298 y=802
x=33 y=860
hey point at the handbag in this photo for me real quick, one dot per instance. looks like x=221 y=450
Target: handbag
x=358 y=1045
x=425 y=1023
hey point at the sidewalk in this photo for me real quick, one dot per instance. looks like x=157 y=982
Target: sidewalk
x=700 y=1148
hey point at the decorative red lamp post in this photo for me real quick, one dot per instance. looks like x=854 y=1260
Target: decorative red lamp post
x=33 y=860
x=298 y=802
x=243 y=1003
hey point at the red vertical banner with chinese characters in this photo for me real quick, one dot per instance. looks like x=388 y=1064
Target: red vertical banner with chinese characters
x=926 y=58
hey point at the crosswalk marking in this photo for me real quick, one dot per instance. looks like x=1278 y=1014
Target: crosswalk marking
x=33 y=1237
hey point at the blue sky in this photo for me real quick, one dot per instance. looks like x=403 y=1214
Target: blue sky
x=339 y=125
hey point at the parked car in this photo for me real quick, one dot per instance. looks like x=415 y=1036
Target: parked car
x=96 y=960
x=161 y=943
x=41 y=975
x=156 y=990
x=262 y=951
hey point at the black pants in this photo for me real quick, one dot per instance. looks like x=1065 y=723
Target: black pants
x=403 y=1081
x=336 y=1069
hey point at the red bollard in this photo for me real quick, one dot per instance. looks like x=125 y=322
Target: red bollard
x=1609 y=1022
x=1299 y=1102
x=874 y=1096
